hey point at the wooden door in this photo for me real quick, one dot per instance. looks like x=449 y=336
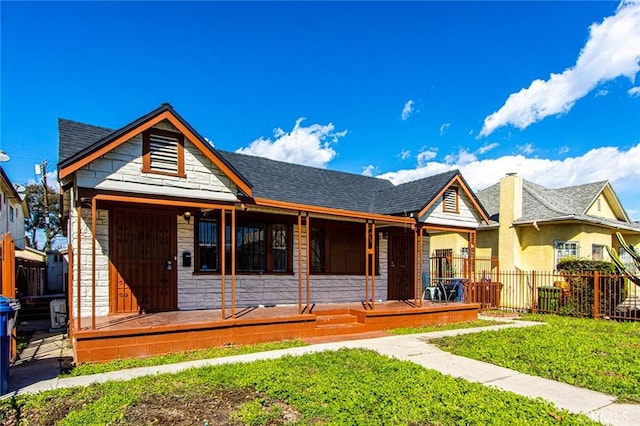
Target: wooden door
x=401 y=267
x=143 y=266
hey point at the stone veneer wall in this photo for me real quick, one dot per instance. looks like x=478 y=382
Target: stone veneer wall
x=102 y=262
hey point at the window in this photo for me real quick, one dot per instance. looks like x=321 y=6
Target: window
x=566 y=249
x=450 y=200
x=597 y=252
x=261 y=245
x=163 y=152
x=207 y=254
x=11 y=214
x=338 y=249
x=250 y=248
x=279 y=248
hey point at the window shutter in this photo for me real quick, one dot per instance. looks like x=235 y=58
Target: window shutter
x=163 y=151
x=450 y=200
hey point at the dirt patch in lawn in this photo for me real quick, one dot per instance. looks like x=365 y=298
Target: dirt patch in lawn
x=217 y=408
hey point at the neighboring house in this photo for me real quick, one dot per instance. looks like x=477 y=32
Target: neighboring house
x=13 y=210
x=57 y=271
x=181 y=226
x=532 y=227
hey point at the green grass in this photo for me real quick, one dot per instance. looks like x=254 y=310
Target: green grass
x=345 y=387
x=122 y=364
x=595 y=354
x=443 y=327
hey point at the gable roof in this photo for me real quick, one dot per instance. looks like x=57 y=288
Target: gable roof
x=541 y=204
x=99 y=143
x=285 y=183
x=9 y=185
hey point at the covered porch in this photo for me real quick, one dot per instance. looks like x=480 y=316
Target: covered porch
x=143 y=335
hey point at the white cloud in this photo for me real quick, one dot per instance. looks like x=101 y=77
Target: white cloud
x=487 y=147
x=602 y=92
x=423 y=157
x=444 y=128
x=634 y=91
x=526 y=149
x=621 y=168
x=311 y=145
x=369 y=170
x=407 y=110
x=462 y=157
x=563 y=150
x=404 y=154
x=612 y=50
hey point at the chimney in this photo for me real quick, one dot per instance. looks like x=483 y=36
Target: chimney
x=510 y=210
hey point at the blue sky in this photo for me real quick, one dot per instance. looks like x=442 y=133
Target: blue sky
x=398 y=90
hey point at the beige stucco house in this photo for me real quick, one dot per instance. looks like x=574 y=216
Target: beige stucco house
x=533 y=227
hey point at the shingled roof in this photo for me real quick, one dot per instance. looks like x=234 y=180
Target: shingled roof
x=286 y=182
x=544 y=204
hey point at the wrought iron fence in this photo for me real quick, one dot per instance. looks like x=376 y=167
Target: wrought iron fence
x=595 y=295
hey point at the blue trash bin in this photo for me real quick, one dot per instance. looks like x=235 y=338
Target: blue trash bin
x=8 y=310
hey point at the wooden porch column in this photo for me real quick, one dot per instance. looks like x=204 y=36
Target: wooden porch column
x=369 y=264
x=79 y=231
x=299 y=262
x=222 y=242
x=70 y=287
x=93 y=262
x=366 y=265
x=471 y=258
x=233 y=263
x=420 y=266
x=307 y=262
x=415 y=259
x=373 y=266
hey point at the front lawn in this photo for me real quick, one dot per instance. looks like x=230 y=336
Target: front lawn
x=342 y=387
x=122 y=364
x=596 y=354
x=444 y=327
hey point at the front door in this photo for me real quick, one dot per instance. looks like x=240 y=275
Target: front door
x=143 y=266
x=401 y=267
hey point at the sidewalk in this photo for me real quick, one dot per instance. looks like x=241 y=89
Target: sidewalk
x=415 y=348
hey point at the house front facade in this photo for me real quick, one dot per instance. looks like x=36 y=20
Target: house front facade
x=160 y=221
x=532 y=227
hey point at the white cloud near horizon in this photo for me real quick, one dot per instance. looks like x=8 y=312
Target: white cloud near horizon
x=620 y=167
x=369 y=170
x=612 y=51
x=634 y=91
x=310 y=145
x=444 y=128
x=404 y=154
x=407 y=110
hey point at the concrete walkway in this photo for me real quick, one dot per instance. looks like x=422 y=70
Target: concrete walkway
x=414 y=348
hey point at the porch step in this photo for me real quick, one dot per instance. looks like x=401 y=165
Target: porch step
x=339 y=329
x=336 y=319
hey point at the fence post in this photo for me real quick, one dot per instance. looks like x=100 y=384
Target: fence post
x=596 y=294
x=534 y=308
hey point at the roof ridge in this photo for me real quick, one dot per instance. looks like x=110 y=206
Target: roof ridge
x=360 y=176
x=527 y=186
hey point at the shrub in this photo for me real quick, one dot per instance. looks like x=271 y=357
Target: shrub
x=579 y=298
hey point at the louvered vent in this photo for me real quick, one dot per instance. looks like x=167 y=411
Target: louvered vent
x=163 y=151
x=450 y=200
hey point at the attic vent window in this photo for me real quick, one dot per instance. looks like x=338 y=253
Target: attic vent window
x=163 y=152
x=450 y=200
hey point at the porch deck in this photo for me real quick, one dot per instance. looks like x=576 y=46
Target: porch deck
x=143 y=335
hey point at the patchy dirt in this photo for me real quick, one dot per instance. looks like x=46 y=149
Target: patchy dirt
x=216 y=408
